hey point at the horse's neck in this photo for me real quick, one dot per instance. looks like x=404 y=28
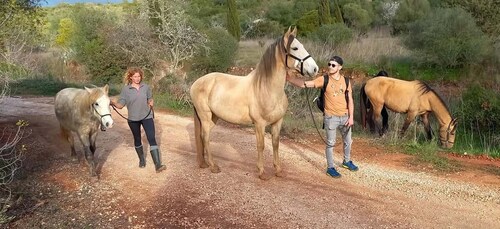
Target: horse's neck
x=440 y=110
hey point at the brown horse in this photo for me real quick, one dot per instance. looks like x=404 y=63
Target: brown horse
x=83 y=111
x=258 y=98
x=413 y=98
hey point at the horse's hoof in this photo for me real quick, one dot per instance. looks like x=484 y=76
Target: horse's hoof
x=215 y=169
x=280 y=174
x=263 y=176
x=204 y=165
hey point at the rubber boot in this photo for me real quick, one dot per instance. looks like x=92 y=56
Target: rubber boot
x=155 y=154
x=142 y=159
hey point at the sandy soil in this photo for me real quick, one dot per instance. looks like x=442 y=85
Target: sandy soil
x=389 y=190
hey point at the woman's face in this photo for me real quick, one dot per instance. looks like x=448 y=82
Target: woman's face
x=136 y=78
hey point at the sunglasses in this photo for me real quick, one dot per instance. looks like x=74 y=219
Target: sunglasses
x=332 y=65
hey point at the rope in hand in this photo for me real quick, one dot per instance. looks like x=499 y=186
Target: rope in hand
x=314 y=120
x=150 y=110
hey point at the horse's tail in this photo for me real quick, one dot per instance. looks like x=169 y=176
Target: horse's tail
x=197 y=134
x=363 y=105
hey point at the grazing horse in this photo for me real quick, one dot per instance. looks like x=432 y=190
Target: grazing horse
x=258 y=98
x=83 y=111
x=413 y=98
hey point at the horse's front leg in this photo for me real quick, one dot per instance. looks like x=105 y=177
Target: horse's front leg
x=275 y=132
x=409 y=118
x=377 y=117
x=89 y=155
x=427 y=125
x=259 y=133
x=93 y=138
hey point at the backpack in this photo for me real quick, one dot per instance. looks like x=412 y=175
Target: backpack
x=320 y=100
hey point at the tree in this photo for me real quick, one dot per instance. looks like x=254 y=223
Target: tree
x=407 y=12
x=324 y=12
x=233 y=21
x=357 y=17
x=174 y=31
x=337 y=13
x=485 y=12
x=65 y=32
x=447 y=38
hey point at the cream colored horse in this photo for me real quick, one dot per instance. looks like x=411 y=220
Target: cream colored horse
x=413 y=98
x=258 y=98
x=83 y=111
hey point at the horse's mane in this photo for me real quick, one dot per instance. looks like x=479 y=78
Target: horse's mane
x=89 y=98
x=424 y=88
x=265 y=68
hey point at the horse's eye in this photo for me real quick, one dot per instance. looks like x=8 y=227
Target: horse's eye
x=295 y=48
x=97 y=104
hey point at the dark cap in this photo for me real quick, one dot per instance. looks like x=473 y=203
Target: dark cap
x=337 y=59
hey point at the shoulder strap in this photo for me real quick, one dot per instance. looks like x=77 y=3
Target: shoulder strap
x=325 y=82
x=347 y=91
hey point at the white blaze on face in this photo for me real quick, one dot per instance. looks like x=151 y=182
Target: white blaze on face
x=102 y=107
x=309 y=65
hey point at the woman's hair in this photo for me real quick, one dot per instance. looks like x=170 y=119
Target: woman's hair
x=130 y=72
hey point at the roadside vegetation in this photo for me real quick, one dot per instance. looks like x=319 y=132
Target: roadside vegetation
x=452 y=45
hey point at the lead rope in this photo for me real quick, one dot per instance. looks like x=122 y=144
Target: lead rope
x=314 y=120
x=150 y=110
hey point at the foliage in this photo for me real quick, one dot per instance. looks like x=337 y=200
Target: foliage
x=407 y=12
x=172 y=27
x=308 y=23
x=41 y=86
x=333 y=35
x=233 y=21
x=435 y=41
x=263 y=28
x=336 y=11
x=485 y=12
x=220 y=52
x=282 y=13
x=65 y=32
x=357 y=17
x=10 y=161
x=324 y=12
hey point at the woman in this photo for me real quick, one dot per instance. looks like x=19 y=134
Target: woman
x=137 y=96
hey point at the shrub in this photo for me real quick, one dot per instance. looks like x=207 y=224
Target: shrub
x=333 y=34
x=220 y=54
x=480 y=108
x=447 y=38
x=263 y=28
x=308 y=23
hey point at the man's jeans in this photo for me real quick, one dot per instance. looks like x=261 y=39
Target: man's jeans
x=332 y=123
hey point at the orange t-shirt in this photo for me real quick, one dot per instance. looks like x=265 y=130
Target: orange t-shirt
x=335 y=102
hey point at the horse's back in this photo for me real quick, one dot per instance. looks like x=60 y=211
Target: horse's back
x=395 y=94
x=66 y=107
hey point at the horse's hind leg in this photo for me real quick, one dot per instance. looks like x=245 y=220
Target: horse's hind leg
x=275 y=132
x=69 y=137
x=377 y=118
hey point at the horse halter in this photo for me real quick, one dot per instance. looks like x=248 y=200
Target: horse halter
x=448 y=133
x=102 y=116
x=294 y=57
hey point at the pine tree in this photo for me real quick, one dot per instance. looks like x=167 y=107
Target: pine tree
x=337 y=12
x=233 y=21
x=324 y=12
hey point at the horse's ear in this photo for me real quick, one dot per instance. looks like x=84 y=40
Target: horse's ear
x=294 y=32
x=106 y=88
x=288 y=32
x=88 y=89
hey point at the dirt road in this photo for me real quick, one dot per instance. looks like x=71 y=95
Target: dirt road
x=54 y=191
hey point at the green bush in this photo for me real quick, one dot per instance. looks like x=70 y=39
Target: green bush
x=220 y=54
x=263 y=28
x=447 y=38
x=333 y=34
x=357 y=17
x=308 y=23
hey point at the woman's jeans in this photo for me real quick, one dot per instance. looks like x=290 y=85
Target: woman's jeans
x=332 y=123
x=149 y=128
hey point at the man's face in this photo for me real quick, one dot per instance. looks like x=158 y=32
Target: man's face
x=333 y=67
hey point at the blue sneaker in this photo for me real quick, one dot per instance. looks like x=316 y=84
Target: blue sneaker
x=349 y=165
x=333 y=172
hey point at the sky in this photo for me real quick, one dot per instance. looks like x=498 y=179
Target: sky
x=55 y=2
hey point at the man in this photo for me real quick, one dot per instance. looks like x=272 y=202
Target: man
x=338 y=114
